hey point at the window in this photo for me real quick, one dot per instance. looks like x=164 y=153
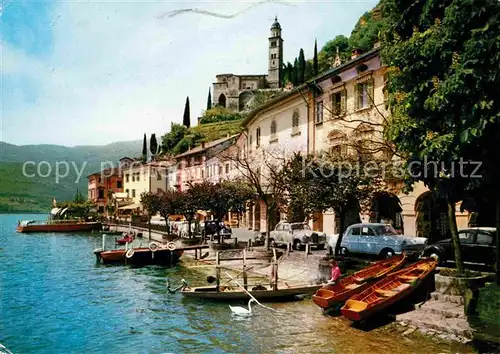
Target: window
x=126 y=178
x=128 y=193
x=466 y=237
x=220 y=170
x=336 y=150
x=250 y=141
x=99 y=180
x=101 y=193
x=286 y=227
x=133 y=193
x=295 y=122
x=338 y=103
x=158 y=175
x=273 y=43
x=202 y=173
x=319 y=112
x=119 y=184
x=257 y=136
x=364 y=92
x=227 y=169
x=273 y=131
x=484 y=238
x=100 y=209
x=279 y=227
x=355 y=231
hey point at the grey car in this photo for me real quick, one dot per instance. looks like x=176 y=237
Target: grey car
x=380 y=240
x=298 y=234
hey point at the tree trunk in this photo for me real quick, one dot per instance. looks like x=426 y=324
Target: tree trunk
x=189 y=228
x=217 y=228
x=454 y=237
x=268 y=227
x=341 y=231
x=497 y=255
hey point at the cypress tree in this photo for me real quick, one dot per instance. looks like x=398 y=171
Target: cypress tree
x=144 y=148
x=153 y=145
x=209 y=99
x=295 y=72
x=289 y=70
x=302 y=66
x=186 y=121
x=315 y=58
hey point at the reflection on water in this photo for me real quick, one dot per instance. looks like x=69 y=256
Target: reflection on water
x=55 y=298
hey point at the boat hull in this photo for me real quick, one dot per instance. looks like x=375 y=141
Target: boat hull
x=388 y=290
x=141 y=257
x=210 y=293
x=66 y=227
x=331 y=295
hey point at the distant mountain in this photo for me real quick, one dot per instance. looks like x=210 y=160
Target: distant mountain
x=20 y=193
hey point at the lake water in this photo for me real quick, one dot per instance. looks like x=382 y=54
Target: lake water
x=55 y=298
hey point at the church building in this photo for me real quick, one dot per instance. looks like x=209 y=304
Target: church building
x=235 y=91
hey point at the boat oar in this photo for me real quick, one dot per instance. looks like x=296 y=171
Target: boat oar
x=245 y=290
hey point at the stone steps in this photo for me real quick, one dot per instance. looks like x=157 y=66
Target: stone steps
x=458 y=327
x=456 y=299
x=443 y=308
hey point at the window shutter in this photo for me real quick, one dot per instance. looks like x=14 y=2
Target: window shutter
x=357 y=94
x=371 y=97
x=343 y=101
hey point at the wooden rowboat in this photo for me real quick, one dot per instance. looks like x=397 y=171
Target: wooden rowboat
x=330 y=295
x=388 y=290
x=231 y=293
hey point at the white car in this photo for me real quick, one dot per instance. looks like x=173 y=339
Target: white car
x=380 y=240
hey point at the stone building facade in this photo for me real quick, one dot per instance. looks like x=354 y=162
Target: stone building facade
x=235 y=91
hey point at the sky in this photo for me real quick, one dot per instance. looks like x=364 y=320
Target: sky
x=83 y=72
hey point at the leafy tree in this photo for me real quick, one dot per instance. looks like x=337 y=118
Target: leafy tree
x=329 y=51
x=309 y=70
x=342 y=183
x=169 y=204
x=172 y=138
x=189 y=203
x=151 y=203
x=186 y=120
x=366 y=32
x=443 y=58
x=209 y=100
x=153 y=145
x=144 y=149
x=315 y=59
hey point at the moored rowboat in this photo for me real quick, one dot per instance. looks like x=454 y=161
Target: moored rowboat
x=388 y=290
x=230 y=293
x=329 y=295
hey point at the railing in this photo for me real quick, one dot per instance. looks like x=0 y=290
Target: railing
x=141 y=224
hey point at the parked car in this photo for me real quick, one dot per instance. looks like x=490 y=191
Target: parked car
x=379 y=240
x=211 y=228
x=298 y=234
x=478 y=246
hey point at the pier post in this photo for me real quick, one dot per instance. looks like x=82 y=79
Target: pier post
x=306 y=250
x=249 y=245
x=288 y=248
x=245 y=278
x=217 y=271
x=235 y=242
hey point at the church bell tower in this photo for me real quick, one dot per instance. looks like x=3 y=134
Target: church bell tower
x=275 y=71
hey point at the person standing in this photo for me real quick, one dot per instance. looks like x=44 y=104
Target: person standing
x=334 y=272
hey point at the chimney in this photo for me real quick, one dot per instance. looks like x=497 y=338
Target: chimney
x=202 y=144
x=356 y=52
x=376 y=44
x=227 y=135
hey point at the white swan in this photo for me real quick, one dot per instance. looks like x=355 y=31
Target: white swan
x=241 y=311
